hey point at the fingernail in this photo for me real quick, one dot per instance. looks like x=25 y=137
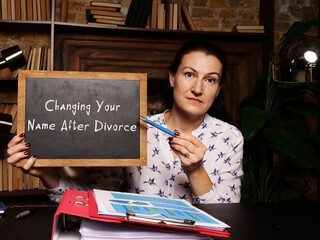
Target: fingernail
x=176 y=133
x=27 y=144
x=22 y=135
x=26 y=152
x=35 y=156
x=170 y=139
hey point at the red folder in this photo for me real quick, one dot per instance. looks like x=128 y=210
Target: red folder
x=83 y=204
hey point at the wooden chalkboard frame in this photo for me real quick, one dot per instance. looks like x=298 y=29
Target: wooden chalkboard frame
x=142 y=77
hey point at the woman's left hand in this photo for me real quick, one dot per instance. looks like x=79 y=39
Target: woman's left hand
x=190 y=150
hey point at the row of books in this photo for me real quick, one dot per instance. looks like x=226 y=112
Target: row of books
x=171 y=16
x=12 y=178
x=104 y=13
x=38 y=58
x=25 y=10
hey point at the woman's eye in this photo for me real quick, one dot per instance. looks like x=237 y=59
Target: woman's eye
x=211 y=80
x=189 y=74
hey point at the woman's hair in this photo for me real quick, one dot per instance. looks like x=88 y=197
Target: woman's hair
x=218 y=109
x=205 y=47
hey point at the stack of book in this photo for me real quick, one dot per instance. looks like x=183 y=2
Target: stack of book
x=104 y=13
x=32 y=10
x=248 y=28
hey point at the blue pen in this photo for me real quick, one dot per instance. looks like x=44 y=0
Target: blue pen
x=157 y=126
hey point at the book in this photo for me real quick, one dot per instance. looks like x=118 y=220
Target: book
x=34 y=10
x=161 y=16
x=102 y=24
x=39 y=18
x=250 y=30
x=43 y=10
x=187 y=18
x=13 y=10
x=105 y=4
x=132 y=12
x=64 y=12
x=102 y=12
x=238 y=27
x=100 y=20
x=48 y=9
x=18 y=9
x=110 y=9
x=29 y=10
x=106 y=17
x=9 y=9
x=146 y=12
x=4 y=10
x=154 y=14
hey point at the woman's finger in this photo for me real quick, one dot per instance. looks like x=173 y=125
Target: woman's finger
x=17 y=157
x=15 y=140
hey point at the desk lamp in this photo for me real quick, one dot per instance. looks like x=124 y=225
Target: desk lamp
x=298 y=61
x=12 y=58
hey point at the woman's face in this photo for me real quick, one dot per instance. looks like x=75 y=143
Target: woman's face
x=196 y=83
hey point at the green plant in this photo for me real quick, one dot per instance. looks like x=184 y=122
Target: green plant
x=274 y=123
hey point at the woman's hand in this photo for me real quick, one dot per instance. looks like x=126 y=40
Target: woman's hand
x=18 y=150
x=190 y=151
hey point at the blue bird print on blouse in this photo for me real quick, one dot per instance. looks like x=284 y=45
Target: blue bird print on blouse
x=221 y=199
x=166 y=164
x=211 y=148
x=234 y=148
x=200 y=136
x=220 y=155
x=138 y=191
x=139 y=168
x=215 y=134
x=226 y=140
x=156 y=136
x=172 y=178
x=155 y=168
x=220 y=180
x=183 y=197
x=160 y=193
x=234 y=173
x=175 y=162
x=215 y=172
x=233 y=189
x=150 y=182
x=204 y=125
x=227 y=160
x=185 y=184
x=155 y=152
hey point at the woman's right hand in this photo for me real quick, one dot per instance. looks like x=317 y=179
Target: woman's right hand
x=18 y=150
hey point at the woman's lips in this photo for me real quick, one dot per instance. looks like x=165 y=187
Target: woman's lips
x=195 y=100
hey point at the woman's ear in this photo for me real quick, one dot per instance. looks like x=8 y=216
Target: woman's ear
x=171 y=80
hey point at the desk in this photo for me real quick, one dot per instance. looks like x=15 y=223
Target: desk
x=259 y=221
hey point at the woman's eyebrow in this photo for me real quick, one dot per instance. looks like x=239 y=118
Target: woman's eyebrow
x=210 y=73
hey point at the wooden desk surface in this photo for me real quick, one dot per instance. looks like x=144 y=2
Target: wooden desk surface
x=259 y=221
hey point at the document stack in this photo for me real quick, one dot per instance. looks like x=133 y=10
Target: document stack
x=116 y=215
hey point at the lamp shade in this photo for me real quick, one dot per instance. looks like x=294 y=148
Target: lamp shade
x=12 y=58
x=298 y=61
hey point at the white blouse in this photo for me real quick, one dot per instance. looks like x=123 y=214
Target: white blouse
x=163 y=176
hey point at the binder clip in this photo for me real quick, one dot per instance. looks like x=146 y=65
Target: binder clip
x=185 y=223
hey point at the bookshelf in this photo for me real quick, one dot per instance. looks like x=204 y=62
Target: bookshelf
x=83 y=47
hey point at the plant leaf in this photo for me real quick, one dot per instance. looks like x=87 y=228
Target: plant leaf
x=252 y=120
x=293 y=143
x=307 y=109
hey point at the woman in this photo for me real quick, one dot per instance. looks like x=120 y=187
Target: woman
x=203 y=164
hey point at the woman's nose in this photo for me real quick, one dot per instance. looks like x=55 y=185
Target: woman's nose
x=197 y=86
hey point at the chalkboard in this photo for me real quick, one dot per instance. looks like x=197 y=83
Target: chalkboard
x=82 y=118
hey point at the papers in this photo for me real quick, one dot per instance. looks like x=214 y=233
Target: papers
x=117 y=204
x=95 y=230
